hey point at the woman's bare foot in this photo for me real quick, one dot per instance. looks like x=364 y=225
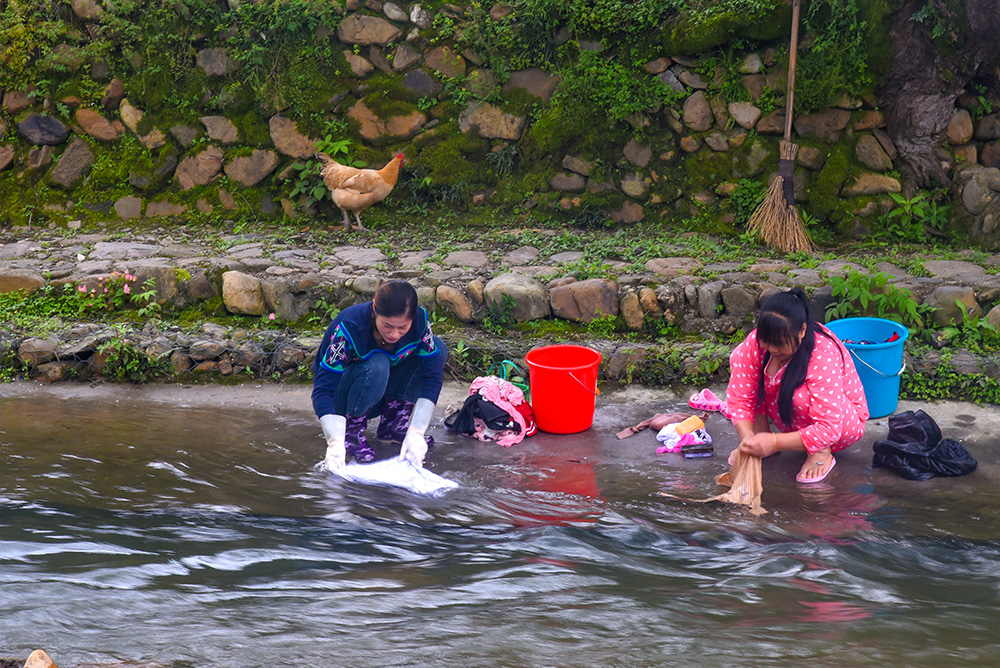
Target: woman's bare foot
x=816 y=466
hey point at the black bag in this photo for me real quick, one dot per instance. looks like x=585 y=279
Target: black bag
x=915 y=450
x=475 y=406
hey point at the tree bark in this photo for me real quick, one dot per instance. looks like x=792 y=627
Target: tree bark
x=920 y=90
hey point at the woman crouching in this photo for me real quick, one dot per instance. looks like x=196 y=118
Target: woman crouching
x=379 y=358
x=796 y=373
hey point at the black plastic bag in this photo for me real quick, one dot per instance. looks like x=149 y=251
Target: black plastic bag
x=915 y=450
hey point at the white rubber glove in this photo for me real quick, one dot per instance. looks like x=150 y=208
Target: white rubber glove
x=414 y=446
x=335 y=432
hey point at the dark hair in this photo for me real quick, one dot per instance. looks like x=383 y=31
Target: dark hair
x=394 y=299
x=779 y=322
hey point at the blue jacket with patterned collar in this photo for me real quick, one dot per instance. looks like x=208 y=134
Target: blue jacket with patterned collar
x=350 y=338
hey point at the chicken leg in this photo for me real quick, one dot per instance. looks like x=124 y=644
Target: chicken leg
x=347 y=221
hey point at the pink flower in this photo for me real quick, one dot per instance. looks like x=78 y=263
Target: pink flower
x=127 y=289
x=81 y=288
x=270 y=317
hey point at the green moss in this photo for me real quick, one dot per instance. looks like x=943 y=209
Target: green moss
x=449 y=156
x=706 y=169
x=520 y=102
x=113 y=163
x=561 y=330
x=824 y=197
x=516 y=189
x=389 y=98
x=560 y=130
x=694 y=32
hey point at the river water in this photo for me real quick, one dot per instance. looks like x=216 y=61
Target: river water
x=192 y=535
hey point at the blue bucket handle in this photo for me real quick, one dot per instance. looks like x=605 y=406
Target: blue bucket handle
x=884 y=375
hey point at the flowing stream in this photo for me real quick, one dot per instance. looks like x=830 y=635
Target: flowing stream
x=138 y=531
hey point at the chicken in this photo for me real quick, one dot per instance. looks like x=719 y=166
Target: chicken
x=354 y=190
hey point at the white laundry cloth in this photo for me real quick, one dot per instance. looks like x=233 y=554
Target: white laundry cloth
x=395 y=472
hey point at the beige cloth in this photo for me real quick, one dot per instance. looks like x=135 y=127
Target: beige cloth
x=744 y=481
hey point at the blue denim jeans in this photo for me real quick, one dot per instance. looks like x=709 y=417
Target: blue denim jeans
x=366 y=385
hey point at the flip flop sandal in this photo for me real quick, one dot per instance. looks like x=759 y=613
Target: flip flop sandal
x=724 y=409
x=820 y=478
x=705 y=401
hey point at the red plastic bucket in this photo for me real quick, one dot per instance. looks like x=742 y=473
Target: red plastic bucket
x=564 y=390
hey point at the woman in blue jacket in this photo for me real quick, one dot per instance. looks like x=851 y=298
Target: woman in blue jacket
x=378 y=358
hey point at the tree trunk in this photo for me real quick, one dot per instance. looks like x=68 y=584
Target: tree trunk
x=920 y=90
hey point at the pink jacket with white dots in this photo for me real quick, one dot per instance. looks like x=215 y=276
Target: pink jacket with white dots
x=828 y=410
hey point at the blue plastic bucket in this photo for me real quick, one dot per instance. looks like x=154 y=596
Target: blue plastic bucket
x=879 y=364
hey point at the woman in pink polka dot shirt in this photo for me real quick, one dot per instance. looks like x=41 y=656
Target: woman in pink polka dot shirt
x=794 y=372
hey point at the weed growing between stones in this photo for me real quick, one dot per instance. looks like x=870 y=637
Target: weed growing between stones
x=946 y=383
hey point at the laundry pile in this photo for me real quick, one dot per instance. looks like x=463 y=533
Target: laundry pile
x=866 y=342
x=688 y=437
x=495 y=410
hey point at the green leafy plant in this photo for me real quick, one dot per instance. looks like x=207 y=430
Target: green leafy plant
x=745 y=200
x=872 y=295
x=985 y=107
x=603 y=326
x=308 y=180
x=125 y=361
x=836 y=62
x=498 y=318
x=114 y=292
x=39 y=310
x=611 y=88
x=942 y=21
x=503 y=160
x=906 y=221
x=974 y=333
x=722 y=71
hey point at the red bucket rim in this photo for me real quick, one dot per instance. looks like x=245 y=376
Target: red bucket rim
x=594 y=362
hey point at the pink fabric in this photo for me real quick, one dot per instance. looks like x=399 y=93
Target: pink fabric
x=498 y=391
x=828 y=410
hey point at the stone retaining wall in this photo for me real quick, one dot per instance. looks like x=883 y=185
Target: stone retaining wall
x=279 y=284
x=702 y=131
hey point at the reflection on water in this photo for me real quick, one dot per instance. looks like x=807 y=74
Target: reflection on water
x=195 y=537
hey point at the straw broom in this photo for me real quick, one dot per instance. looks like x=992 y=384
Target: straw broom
x=777 y=220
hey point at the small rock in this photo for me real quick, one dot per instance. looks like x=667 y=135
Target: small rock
x=530 y=301
x=697 y=113
x=455 y=302
x=673 y=266
x=744 y=113
x=871 y=154
x=583 y=301
x=872 y=184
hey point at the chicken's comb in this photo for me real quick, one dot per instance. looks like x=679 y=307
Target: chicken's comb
x=401 y=156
